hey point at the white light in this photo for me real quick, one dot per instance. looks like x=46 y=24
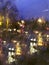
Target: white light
x=31 y=44
x=45 y=10
x=9 y=48
x=34 y=44
x=12 y=53
x=4 y=42
x=19 y=31
x=9 y=53
x=34 y=39
x=14 y=29
x=36 y=32
x=39 y=20
x=12 y=49
x=47 y=35
x=32 y=50
x=10 y=30
x=22 y=21
x=14 y=41
x=26 y=32
x=10 y=59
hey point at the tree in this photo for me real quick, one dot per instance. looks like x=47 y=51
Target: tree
x=10 y=9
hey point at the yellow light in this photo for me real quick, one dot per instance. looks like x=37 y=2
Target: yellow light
x=18 y=49
x=41 y=20
x=40 y=40
x=0 y=23
x=19 y=23
x=7 y=21
x=3 y=17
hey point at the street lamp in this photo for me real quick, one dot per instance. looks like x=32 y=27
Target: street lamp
x=22 y=21
x=40 y=39
x=0 y=23
x=1 y=19
x=41 y=20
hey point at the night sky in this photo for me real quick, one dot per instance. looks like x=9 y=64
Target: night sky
x=33 y=8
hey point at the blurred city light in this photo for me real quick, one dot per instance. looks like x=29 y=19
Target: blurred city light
x=10 y=59
x=32 y=49
x=19 y=31
x=0 y=23
x=36 y=32
x=22 y=21
x=40 y=40
x=33 y=39
x=47 y=36
x=18 y=49
x=14 y=29
x=9 y=49
x=40 y=20
x=9 y=29
x=14 y=41
x=4 y=42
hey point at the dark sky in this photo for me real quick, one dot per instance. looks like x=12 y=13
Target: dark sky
x=33 y=8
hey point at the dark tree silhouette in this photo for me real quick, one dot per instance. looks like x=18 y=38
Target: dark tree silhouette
x=7 y=7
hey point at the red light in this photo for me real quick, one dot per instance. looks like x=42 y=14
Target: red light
x=47 y=28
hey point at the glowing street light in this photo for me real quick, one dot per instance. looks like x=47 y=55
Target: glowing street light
x=18 y=49
x=10 y=54
x=41 y=20
x=1 y=19
x=22 y=21
x=36 y=32
x=7 y=23
x=40 y=40
x=14 y=29
x=14 y=41
x=9 y=29
x=4 y=42
x=32 y=49
x=0 y=23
